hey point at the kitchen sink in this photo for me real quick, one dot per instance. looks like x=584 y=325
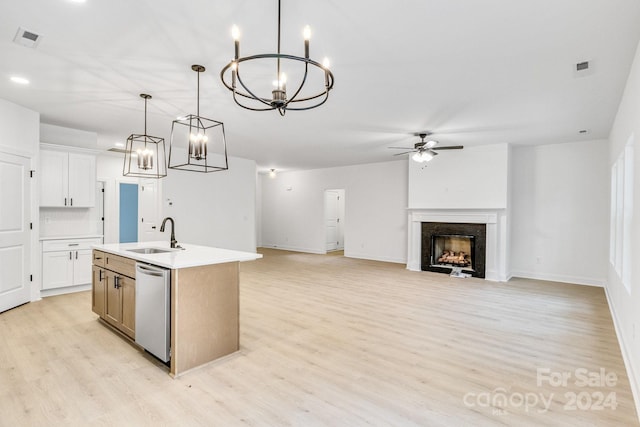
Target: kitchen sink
x=150 y=250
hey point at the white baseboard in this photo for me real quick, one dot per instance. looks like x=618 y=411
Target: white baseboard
x=61 y=291
x=577 y=280
x=294 y=249
x=370 y=257
x=626 y=356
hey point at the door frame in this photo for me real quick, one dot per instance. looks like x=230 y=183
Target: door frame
x=341 y=218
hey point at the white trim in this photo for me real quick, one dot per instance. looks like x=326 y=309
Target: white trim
x=576 y=280
x=295 y=249
x=374 y=258
x=626 y=356
x=44 y=293
x=69 y=148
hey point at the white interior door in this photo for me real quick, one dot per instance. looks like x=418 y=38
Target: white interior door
x=331 y=203
x=148 y=203
x=14 y=231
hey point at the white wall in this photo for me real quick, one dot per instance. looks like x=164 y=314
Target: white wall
x=19 y=130
x=214 y=209
x=375 y=218
x=560 y=212
x=625 y=304
x=473 y=178
x=58 y=135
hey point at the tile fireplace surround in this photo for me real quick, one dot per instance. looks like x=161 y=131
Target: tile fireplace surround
x=497 y=237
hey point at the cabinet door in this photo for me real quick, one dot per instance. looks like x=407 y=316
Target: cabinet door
x=57 y=269
x=128 y=306
x=113 y=305
x=98 y=288
x=82 y=180
x=54 y=178
x=82 y=266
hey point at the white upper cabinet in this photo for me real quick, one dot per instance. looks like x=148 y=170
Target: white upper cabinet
x=67 y=179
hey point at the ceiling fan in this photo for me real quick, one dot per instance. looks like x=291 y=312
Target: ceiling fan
x=425 y=150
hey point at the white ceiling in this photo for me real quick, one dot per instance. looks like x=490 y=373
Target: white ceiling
x=473 y=72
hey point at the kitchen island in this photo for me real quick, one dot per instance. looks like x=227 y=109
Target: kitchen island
x=204 y=296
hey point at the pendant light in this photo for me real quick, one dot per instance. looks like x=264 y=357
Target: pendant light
x=297 y=99
x=198 y=144
x=148 y=152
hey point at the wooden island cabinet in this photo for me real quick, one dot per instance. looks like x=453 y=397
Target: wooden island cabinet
x=204 y=305
x=114 y=291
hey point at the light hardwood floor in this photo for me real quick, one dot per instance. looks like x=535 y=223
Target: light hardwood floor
x=331 y=341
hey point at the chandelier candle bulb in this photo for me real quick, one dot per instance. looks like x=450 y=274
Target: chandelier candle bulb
x=235 y=33
x=307 y=36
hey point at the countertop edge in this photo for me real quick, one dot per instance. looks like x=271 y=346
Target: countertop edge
x=205 y=255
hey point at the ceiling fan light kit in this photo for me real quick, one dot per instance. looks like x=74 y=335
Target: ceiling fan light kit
x=198 y=144
x=148 y=152
x=279 y=100
x=425 y=151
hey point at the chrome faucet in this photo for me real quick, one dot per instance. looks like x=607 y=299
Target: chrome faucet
x=173 y=228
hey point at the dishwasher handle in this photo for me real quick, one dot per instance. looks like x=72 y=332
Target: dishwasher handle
x=151 y=271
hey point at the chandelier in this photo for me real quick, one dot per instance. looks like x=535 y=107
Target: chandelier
x=145 y=148
x=279 y=100
x=198 y=144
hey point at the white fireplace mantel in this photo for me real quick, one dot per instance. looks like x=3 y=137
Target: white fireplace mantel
x=497 y=238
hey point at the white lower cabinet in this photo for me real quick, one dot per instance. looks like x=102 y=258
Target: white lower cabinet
x=67 y=262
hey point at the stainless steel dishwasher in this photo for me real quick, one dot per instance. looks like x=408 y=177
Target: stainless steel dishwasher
x=153 y=323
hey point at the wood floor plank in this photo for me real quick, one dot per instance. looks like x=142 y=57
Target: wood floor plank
x=328 y=341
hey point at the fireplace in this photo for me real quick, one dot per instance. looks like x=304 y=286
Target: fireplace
x=449 y=245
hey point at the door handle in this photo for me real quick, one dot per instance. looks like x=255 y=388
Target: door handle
x=100 y=275
x=70 y=255
x=65 y=201
x=76 y=254
x=72 y=201
x=116 y=282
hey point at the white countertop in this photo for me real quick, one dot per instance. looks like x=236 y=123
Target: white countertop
x=190 y=256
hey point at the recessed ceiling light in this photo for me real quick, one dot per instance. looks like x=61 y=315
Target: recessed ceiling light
x=119 y=144
x=78 y=1
x=19 y=80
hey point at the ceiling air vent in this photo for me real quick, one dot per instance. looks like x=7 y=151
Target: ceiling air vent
x=581 y=66
x=27 y=38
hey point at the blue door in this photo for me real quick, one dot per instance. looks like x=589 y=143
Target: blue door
x=128 y=213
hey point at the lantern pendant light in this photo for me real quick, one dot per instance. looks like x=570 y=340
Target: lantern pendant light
x=198 y=144
x=144 y=148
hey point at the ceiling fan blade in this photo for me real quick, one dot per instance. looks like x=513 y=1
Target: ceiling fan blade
x=450 y=147
x=400 y=148
x=430 y=144
x=400 y=154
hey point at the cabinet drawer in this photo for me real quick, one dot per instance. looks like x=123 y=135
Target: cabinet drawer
x=98 y=258
x=121 y=265
x=69 y=244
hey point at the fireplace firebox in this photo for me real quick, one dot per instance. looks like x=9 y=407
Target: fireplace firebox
x=449 y=245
